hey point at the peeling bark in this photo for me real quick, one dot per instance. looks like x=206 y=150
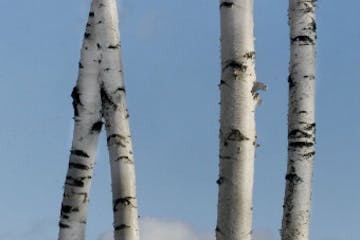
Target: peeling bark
x=301 y=121
x=100 y=93
x=239 y=97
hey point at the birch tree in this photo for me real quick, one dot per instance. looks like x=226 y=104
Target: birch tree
x=239 y=97
x=301 y=120
x=100 y=92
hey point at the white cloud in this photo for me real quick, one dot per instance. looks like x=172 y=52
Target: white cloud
x=155 y=229
x=263 y=234
x=106 y=236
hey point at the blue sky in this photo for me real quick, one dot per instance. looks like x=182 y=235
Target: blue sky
x=172 y=68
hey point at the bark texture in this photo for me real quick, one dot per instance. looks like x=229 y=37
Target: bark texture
x=117 y=127
x=100 y=92
x=87 y=117
x=239 y=98
x=301 y=120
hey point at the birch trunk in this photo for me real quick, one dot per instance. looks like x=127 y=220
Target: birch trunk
x=239 y=98
x=117 y=127
x=100 y=92
x=301 y=120
x=87 y=117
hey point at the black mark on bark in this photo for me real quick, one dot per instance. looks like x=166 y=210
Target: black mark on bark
x=222 y=82
x=79 y=166
x=98 y=45
x=79 y=153
x=76 y=182
x=313 y=25
x=125 y=158
x=236 y=66
x=310 y=6
x=91 y=14
x=96 y=127
x=126 y=201
x=119 y=139
x=309 y=155
x=76 y=100
x=311 y=77
x=66 y=209
x=235 y=135
x=249 y=55
x=226 y=4
x=291 y=82
x=87 y=35
x=303 y=38
x=297 y=133
x=225 y=157
x=310 y=127
x=300 y=144
x=293 y=178
x=62 y=225
x=121 y=227
x=220 y=180
x=105 y=98
x=120 y=89
x=116 y=46
x=80 y=65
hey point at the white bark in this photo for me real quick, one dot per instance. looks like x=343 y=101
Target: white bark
x=239 y=98
x=117 y=128
x=100 y=92
x=301 y=120
x=87 y=117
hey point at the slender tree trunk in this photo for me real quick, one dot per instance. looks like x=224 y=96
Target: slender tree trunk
x=87 y=116
x=100 y=91
x=117 y=128
x=239 y=98
x=301 y=120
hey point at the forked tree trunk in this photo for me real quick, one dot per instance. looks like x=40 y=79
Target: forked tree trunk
x=301 y=120
x=100 y=92
x=239 y=98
